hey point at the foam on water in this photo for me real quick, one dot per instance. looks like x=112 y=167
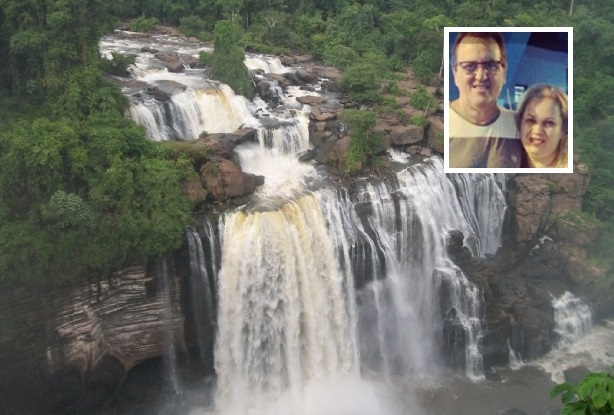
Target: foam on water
x=594 y=351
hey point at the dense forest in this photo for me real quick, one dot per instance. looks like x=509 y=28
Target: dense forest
x=82 y=191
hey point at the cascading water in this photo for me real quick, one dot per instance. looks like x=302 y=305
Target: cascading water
x=315 y=285
x=290 y=135
x=209 y=107
x=202 y=293
x=483 y=206
x=408 y=236
x=573 y=318
x=184 y=105
x=515 y=358
x=283 y=317
x=164 y=272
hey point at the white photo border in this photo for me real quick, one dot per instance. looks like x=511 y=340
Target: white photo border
x=446 y=77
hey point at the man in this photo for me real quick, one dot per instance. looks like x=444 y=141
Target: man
x=482 y=134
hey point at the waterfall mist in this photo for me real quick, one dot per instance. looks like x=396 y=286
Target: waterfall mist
x=322 y=300
x=283 y=313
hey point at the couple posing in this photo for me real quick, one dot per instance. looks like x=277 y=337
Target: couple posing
x=483 y=134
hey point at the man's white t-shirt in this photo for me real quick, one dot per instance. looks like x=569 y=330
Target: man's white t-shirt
x=493 y=145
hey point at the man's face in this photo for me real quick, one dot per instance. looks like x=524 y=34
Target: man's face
x=479 y=85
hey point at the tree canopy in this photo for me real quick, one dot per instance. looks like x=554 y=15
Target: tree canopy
x=76 y=169
x=82 y=190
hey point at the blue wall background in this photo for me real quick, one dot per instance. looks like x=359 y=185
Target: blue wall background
x=528 y=63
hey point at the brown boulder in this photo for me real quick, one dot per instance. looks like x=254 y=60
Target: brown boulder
x=171 y=61
x=224 y=180
x=287 y=60
x=311 y=100
x=324 y=150
x=402 y=135
x=222 y=144
x=435 y=134
x=281 y=80
x=305 y=75
x=323 y=114
x=329 y=73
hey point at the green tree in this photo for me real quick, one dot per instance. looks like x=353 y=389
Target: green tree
x=421 y=98
x=594 y=395
x=143 y=24
x=361 y=80
x=231 y=9
x=85 y=196
x=364 y=141
x=227 y=61
x=46 y=38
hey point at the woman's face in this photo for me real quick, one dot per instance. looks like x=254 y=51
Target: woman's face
x=541 y=131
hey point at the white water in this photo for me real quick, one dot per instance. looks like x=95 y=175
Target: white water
x=291 y=135
x=211 y=109
x=269 y=64
x=165 y=272
x=573 y=318
x=199 y=105
x=594 y=351
x=202 y=292
x=515 y=358
x=289 y=319
x=285 y=177
x=401 y=332
x=283 y=319
x=483 y=204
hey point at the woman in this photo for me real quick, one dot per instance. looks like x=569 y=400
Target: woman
x=542 y=123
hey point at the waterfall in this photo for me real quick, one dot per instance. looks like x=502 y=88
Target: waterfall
x=515 y=358
x=463 y=325
x=484 y=206
x=285 y=177
x=202 y=290
x=310 y=285
x=268 y=64
x=573 y=318
x=165 y=272
x=283 y=310
x=213 y=109
x=289 y=135
x=408 y=222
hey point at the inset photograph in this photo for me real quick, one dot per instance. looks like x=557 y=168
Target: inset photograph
x=508 y=100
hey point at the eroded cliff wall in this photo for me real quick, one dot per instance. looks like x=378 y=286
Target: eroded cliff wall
x=73 y=347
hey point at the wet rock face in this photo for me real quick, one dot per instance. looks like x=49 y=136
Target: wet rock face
x=544 y=254
x=223 y=179
x=537 y=200
x=73 y=347
x=530 y=200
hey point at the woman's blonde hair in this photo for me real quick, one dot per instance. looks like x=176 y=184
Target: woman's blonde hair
x=560 y=97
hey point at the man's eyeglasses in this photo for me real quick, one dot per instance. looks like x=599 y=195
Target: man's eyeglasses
x=470 y=67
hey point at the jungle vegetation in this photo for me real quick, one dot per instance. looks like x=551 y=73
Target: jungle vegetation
x=82 y=191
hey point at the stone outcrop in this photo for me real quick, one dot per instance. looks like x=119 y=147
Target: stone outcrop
x=223 y=179
x=74 y=346
x=434 y=133
x=223 y=144
x=544 y=254
x=175 y=62
x=311 y=100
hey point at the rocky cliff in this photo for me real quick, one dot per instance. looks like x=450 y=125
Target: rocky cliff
x=62 y=348
x=74 y=347
x=544 y=253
